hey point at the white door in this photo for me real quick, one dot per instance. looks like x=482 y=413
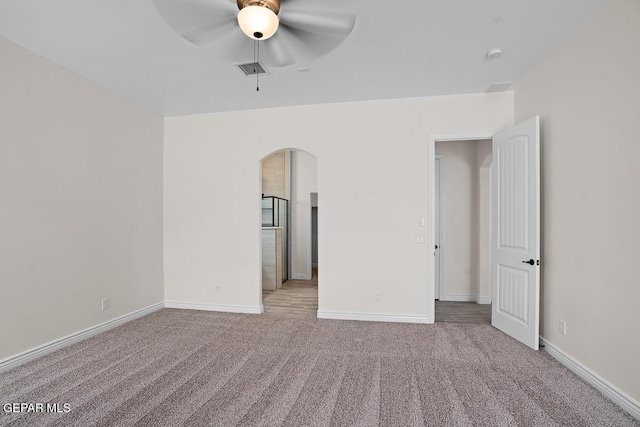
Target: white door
x=515 y=272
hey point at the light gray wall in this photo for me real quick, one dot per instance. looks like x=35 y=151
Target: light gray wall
x=372 y=177
x=465 y=192
x=483 y=221
x=458 y=223
x=588 y=97
x=304 y=180
x=81 y=203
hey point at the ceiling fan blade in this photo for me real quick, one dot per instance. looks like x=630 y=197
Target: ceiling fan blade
x=210 y=33
x=307 y=46
x=330 y=23
x=310 y=29
x=323 y=4
x=198 y=21
x=236 y=47
x=276 y=51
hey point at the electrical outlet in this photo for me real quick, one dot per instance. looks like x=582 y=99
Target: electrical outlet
x=105 y=303
x=377 y=296
x=563 y=327
x=419 y=240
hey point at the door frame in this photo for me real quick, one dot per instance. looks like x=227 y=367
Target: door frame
x=310 y=255
x=438 y=235
x=431 y=176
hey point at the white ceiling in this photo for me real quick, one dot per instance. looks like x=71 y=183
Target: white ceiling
x=397 y=49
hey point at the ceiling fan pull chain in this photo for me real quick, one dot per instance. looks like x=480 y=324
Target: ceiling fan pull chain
x=256 y=60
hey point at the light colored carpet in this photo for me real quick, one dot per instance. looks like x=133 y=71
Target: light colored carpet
x=195 y=368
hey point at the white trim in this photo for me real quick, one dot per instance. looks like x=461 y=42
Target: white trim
x=467 y=298
x=458 y=298
x=298 y=276
x=310 y=265
x=603 y=386
x=460 y=136
x=373 y=317
x=483 y=300
x=227 y=308
x=431 y=178
x=41 y=350
x=439 y=233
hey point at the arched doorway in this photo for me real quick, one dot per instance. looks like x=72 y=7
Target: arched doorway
x=289 y=281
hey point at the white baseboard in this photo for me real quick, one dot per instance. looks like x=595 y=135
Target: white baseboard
x=373 y=317
x=467 y=298
x=41 y=350
x=609 y=390
x=483 y=300
x=299 y=276
x=226 y=308
x=458 y=298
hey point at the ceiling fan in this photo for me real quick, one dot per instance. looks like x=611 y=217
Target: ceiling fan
x=290 y=31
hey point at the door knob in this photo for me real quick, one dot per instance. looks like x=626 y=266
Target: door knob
x=531 y=262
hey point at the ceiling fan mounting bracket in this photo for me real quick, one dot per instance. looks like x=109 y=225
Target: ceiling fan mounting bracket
x=273 y=5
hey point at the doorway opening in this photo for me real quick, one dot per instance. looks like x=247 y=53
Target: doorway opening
x=289 y=280
x=461 y=230
x=515 y=229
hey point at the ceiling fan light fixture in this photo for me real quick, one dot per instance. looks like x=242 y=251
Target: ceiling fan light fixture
x=258 y=21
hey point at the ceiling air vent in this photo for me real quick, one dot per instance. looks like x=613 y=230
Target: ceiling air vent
x=252 y=68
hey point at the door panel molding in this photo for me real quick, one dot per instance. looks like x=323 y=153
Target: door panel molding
x=515 y=275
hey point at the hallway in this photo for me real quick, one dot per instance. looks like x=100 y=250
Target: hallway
x=462 y=312
x=295 y=297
